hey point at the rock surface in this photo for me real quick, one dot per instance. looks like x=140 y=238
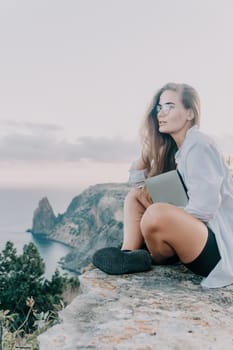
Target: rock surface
x=92 y=221
x=44 y=218
x=165 y=308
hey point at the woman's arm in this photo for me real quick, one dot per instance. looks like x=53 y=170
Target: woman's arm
x=204 y=177
x=137 y=173
x=139 y=164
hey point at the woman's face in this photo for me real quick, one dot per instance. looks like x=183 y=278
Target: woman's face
x=172 y=116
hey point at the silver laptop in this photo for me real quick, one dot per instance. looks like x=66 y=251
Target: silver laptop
x=167 y=188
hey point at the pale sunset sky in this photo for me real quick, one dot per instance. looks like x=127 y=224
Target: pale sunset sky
x=76 y=77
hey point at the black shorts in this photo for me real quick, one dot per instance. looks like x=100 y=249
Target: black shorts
x=208 y=258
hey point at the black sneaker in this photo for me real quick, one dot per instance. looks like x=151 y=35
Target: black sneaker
x=115 y=261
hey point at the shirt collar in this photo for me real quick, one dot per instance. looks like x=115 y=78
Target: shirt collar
x=188 y=133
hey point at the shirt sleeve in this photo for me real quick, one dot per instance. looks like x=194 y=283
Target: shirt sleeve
x=136 y=177
x=204 y=180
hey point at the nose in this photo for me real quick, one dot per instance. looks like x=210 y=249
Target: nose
x=160 y=113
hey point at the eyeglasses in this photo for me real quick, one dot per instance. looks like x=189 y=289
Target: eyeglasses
x=166 y=107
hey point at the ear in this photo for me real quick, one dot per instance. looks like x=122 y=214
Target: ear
x=190 y=115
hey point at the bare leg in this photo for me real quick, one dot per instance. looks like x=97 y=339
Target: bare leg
x=135 y=204
x=169 y=230
x=113 y=260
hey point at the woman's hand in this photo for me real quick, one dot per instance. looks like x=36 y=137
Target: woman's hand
x=143 y=196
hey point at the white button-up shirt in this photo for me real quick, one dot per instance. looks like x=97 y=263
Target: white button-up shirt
x=210 y=191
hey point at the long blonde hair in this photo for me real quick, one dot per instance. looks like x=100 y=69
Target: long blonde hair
x=158 y=149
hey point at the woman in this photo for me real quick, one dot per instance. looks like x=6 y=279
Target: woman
x=200 y=235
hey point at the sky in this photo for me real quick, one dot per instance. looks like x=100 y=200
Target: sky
x=76 y=77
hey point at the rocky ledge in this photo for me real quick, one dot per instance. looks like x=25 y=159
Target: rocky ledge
x=165 y=308
x=93 y=220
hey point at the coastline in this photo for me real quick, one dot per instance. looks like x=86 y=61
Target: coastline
x=61 y=262
x=46 y=237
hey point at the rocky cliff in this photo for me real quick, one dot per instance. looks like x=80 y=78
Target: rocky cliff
x=44 y=218
x=92 y=220
x=165 y=308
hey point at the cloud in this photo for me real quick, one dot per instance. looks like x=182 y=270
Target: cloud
x=103 y=149
x=27 y=141
x=40 y=142
x=29 y=126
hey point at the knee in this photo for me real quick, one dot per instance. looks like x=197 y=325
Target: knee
x=154 y=219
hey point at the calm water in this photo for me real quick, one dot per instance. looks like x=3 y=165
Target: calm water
x=50 y=251
x=16 y=212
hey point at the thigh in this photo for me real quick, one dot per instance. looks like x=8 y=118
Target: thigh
x=181 y=231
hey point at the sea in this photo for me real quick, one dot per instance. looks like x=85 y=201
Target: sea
x=16 y=213
x=50 y=251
